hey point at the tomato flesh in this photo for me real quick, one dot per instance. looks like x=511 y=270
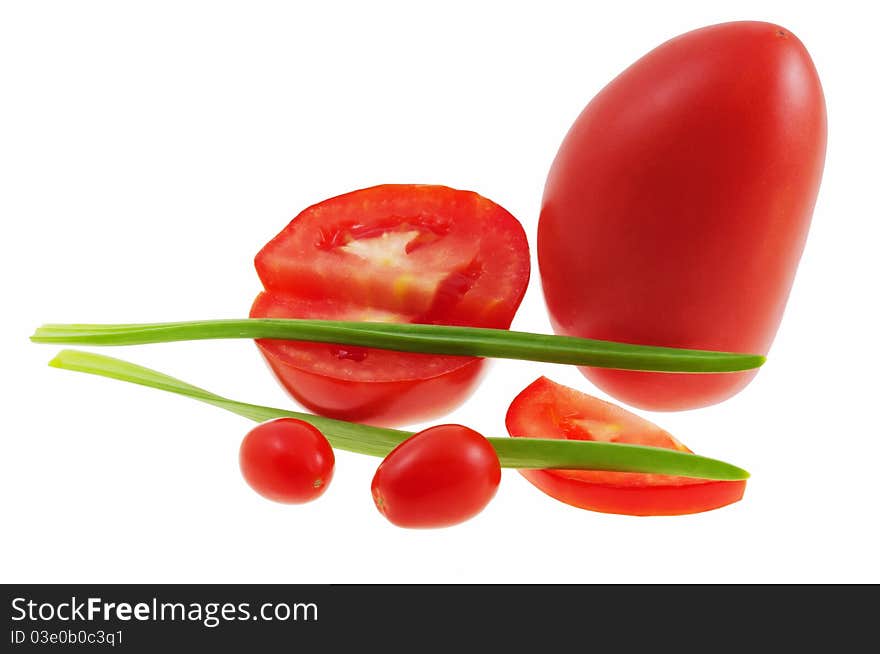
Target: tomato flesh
x=438 y=477
x=546 y=409
x=287 y=460
x=393 y=253
x=433 y=253
x=678 y=205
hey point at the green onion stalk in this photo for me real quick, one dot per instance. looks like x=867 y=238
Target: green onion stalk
x=429 y=339
x=379 y=441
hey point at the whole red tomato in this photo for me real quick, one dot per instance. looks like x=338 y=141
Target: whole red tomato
x=393 y=253
x=287 y=460
x=437 y=478
x=677 y=208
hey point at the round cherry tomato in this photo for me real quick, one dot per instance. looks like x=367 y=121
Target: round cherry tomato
x=287 y=460
x=393 y=253
x=437 y=478
x=677 y=208
x=546 y=409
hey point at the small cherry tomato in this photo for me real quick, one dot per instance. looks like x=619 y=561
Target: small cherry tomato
x=437 y=478
x=287 y=460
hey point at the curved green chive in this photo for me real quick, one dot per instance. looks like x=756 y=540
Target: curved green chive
x=378 y=441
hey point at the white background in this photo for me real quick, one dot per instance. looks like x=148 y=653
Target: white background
x=149 y=150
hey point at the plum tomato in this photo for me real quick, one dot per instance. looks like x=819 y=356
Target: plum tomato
x=437 y=478
x=546 y=409
x=393 y=253
x=287 y=460
x=677 y=207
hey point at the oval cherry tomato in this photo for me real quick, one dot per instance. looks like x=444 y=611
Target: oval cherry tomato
x=393 y=253
x=437 y=478
x=546 y=409
x=677 y=208
x=287 y=460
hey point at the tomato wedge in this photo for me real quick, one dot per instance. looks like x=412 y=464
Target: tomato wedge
x=546 y=409
x=392 y=253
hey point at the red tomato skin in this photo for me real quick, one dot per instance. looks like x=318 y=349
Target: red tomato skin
x=487 y=255
x=678 y=205
x=541 y=411
x=379 y=403
x=287 y=460
x=654 y=501
x=438 y=477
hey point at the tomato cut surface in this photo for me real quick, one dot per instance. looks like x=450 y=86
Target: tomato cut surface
x=546 y=409
x=393 y=253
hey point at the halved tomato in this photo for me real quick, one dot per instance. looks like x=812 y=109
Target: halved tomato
x=392 y=253
x=546 y=409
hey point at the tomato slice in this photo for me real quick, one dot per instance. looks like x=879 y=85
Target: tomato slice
x=392 y=253
x=546 y=409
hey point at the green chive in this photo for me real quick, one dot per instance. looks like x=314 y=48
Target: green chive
x=377 y=441
x=430 y=339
